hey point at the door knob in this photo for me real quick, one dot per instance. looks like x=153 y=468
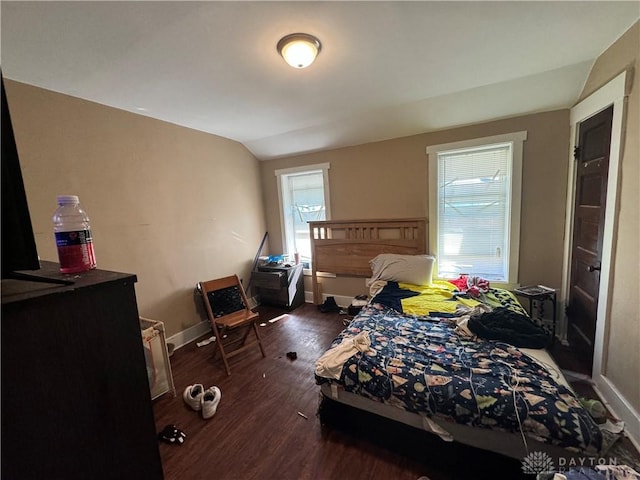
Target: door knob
x=593 y=268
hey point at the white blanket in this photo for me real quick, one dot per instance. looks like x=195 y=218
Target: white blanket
x=329 y=365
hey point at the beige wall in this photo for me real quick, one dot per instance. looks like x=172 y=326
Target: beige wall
x=172 y=205
x=622 y=363
x=389 y=180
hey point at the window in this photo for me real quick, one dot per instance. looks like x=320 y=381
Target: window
x=304 y=197
x=474 y=207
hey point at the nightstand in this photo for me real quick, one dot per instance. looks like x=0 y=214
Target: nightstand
x=538 y=295
x=279 y=285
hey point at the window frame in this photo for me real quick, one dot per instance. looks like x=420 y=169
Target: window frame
x=516 y=139
x=301 y=170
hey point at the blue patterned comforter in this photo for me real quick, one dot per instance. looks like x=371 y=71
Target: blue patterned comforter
x=421 y=365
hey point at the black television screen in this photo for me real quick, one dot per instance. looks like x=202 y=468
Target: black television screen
x=19 y=250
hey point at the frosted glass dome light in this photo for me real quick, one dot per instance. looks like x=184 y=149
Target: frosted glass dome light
x=299 y=49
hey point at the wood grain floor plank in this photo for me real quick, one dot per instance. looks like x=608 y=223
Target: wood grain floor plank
x=257 y=433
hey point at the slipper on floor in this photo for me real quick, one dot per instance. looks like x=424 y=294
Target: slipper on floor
x=329 y=305
x=171 y=435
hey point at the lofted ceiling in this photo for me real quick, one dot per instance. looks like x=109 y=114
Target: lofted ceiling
x=386 y=69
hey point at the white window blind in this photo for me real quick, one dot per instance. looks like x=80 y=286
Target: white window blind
x=473 y=218
x=474 y=205
x=303 y=198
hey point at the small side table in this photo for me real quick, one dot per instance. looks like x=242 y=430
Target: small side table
x=540 y=294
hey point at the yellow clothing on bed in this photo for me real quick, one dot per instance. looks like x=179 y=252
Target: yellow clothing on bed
x=437 y=297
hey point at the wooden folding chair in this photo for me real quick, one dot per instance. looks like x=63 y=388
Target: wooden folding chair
x=227 y=308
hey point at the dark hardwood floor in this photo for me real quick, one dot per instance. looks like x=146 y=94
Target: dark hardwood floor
x=257 y=432
x=572 y=357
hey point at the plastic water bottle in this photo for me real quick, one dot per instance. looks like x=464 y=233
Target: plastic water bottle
x=73 y=236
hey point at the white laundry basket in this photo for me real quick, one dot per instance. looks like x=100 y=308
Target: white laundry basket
x=156 y=357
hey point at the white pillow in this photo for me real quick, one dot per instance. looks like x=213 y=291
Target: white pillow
x=414 y=269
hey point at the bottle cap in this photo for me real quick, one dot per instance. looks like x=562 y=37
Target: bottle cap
x=67 y=199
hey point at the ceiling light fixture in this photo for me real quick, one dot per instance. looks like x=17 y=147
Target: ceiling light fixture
x=299 y=49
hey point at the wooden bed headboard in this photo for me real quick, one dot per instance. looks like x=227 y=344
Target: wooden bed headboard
x=345 y=247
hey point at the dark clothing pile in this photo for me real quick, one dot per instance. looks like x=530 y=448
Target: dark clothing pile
x=507 y=326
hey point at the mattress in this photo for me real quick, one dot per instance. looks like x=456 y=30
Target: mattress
x=511 y=444
x=421 y=368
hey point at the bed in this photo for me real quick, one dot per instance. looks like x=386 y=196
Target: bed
x=413 y=354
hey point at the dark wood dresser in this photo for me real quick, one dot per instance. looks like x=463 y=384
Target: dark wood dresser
x=75 y=394
x=279 y=285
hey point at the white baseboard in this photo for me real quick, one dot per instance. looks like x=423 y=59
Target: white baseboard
x=341 y=300
x=619 y=407
x=308 y=297
x=192 y=333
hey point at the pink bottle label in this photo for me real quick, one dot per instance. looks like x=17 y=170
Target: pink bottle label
x=75 y=251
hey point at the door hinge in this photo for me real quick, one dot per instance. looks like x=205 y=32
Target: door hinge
x=576 y=152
